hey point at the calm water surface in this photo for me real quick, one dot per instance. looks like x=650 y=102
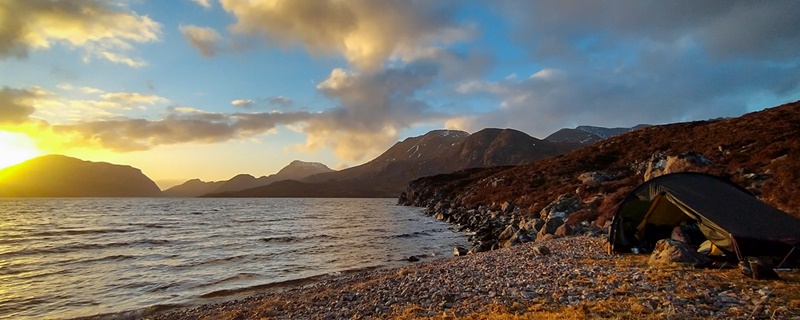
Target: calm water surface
x=63 y=258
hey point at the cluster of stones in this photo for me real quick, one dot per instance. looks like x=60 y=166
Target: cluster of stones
x=504 y=225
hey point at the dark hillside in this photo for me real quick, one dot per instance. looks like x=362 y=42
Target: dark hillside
x=759 y=151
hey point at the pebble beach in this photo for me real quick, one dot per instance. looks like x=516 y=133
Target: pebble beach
x=563 y=278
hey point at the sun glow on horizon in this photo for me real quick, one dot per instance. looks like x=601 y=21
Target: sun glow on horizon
x=16 y=148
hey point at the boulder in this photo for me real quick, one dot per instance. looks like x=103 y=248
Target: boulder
x=551 y=226
x=507 y=234
x=564 y=230
x=561 y=207
x=661 y=164
x=522 y=236
x=480 y=247
x=413 y=259
x=507 y=207
x=541 y=250
x=669 y=252
x=656 y=165
x=519 y=237
x=757 y=269
x=459 y=251
x=543 y=236
x=595 y=178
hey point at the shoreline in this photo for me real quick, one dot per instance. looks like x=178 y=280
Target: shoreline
x=576 y=280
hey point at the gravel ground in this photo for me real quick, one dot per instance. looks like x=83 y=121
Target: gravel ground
x=576 y=280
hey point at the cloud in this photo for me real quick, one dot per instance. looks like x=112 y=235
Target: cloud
x=84 y=90
x=280 y=102
x=104 y=30
x=717 y=26
x=203 y=3
x=243 y=103
x=366 y=33
x=99 y=129
x=373 y=108
x=16 y=105
x=133 y=98
x=619 y=63
x=128 y=135
x=204 y=39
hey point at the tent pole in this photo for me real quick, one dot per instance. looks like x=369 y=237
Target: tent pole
x=736 y=247
x=786 y=258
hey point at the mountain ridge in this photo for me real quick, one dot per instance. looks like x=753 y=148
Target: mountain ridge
x=294 y=170
x=62 y=176
x=438 y=151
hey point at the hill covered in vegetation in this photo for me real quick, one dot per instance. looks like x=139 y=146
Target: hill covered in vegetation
x=759 y=151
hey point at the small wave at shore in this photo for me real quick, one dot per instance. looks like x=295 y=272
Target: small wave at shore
x=278 y=285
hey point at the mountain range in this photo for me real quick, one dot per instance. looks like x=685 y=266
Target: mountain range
x=436 y=152
x=295 y=170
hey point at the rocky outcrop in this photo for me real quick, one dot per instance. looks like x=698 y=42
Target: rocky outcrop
x=661 y=164
x=61 y=176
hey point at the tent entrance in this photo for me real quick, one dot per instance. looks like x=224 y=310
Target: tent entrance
x=659 y=221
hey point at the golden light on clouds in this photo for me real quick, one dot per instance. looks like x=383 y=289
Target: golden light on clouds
x=16 y=148
x=103 y=29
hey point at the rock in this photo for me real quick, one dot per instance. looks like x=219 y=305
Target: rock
x=563 y=231
x=661 y=164
x=413 y=259
x=595 y=178
x=507 y=207
x=539 y=223
x=478 y=248
x=403 y=199
x=541 y=250
x=522 y=236
x=561 y=207
x=669 y=252
x=656 y=165
x=506 y=234
x=459 y=251
x=759 y=270
x=552 y=225
x=542 y=236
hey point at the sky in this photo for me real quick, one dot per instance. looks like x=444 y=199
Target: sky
x=209 y=89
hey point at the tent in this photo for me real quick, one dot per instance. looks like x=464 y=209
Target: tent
x=728 y=216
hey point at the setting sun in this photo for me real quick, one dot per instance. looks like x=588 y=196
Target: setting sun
x=16 y=148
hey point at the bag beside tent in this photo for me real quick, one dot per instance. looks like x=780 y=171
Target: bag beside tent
x=728 y=216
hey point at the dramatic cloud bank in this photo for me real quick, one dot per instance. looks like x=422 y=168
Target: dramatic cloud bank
x=373 y=108
x=104 y=30
x=365 y=32
x=619 y=63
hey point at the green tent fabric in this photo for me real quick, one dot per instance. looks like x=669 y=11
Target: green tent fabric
x=728 y=216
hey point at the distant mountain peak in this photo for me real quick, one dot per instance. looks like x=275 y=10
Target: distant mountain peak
x=588 y=134
x=446 y=133
x=299 y=163
x=63 y=176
